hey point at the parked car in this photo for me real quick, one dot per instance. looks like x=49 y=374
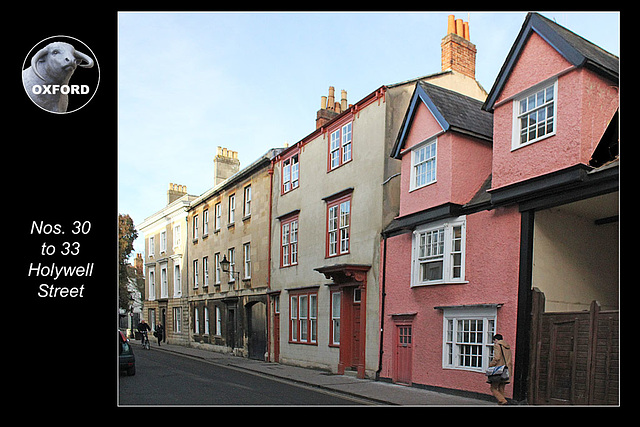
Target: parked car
x=127 y=359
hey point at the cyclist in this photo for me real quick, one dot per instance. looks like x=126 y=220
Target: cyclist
x=143 y=327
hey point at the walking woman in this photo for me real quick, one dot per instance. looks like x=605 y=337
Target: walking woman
x=501 y=356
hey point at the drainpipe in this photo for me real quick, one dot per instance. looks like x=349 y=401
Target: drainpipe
x=382 y=299
x=270 y=171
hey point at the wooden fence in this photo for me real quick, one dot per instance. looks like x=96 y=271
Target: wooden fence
x=574 y=356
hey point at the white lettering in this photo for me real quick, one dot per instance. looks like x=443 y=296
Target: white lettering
x=63 y=89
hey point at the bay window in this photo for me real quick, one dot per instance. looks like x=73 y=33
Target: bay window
x=438 y=252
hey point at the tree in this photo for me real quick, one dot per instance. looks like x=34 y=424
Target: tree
x=127 y=233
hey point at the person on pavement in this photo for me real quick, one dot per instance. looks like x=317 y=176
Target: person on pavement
x=159 y=332
x=501 y=356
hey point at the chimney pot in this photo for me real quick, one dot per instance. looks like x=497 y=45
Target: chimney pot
x=331 y=99
x=459 y=30
x=343 y=100
x=323 y=102
x=451 y=25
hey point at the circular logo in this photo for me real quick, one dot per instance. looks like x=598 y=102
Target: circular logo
x=61 y=74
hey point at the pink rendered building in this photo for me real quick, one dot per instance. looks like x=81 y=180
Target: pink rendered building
x=500 y=201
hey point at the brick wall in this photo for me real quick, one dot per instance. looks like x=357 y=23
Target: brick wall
x=459 y=55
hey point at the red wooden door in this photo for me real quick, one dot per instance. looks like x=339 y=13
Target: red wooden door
x=403 y=354
x=276 y=329
x=355 y=343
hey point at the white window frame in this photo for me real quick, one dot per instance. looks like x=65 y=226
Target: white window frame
x=232 y=209
x=448 y=256
x=217 y=266
x=205 y=223
x=163 y=241
x=177 y=280
x=246 y=252
x=195 y=227
x=195 y=274
x=247 y=201
x=231 y=256
x=176 y=236
x=517 y=115
x=164 y=281
x=218 y=214
x=346 y=142
x=455 y=341
x=152 y=284
x=177 y=319
x=429 y=148
x=205 y=271
x=336 y=297
x=206 y=320
x=218 y=321
x=151 y=246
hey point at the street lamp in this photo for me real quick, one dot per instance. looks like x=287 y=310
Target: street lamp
x=225 y=266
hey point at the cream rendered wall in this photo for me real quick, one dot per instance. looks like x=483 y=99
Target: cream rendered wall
x=575 y=261
x=365 y=173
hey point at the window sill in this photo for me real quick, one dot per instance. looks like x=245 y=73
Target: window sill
x=413 y=188
x=467 y=369
x=517 y=146
x=440 y=282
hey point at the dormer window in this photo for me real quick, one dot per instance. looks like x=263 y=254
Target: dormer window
x=535 y=115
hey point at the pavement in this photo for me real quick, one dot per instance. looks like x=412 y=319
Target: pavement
x=377 y=392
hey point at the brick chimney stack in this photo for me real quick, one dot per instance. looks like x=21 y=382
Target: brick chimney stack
x=138 y=263
x=458 y=53
x=225 y=164
x=175 y=192
x=329 y=108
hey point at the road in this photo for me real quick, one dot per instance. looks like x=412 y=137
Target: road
x=164 y=378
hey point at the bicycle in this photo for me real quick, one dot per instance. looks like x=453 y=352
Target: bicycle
x=145 y=340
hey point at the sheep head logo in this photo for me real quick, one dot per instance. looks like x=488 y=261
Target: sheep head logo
x=47 y=79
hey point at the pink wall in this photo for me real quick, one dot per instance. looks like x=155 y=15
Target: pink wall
x=463 y=164
x=586 y=102
x=492 y=259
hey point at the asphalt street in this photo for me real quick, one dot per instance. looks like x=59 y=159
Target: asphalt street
x=169 y=379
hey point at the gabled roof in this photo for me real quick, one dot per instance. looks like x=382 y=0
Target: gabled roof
x=452 y=110
x=575 y=49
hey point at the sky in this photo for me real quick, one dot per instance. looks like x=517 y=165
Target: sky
x=190 y=82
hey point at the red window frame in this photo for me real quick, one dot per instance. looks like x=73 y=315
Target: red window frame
x=291 y=246
x=298 y=322
x=339 y=227
x=339 y=129
x=283 y=190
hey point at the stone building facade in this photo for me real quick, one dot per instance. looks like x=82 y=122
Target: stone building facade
x=230 y=222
